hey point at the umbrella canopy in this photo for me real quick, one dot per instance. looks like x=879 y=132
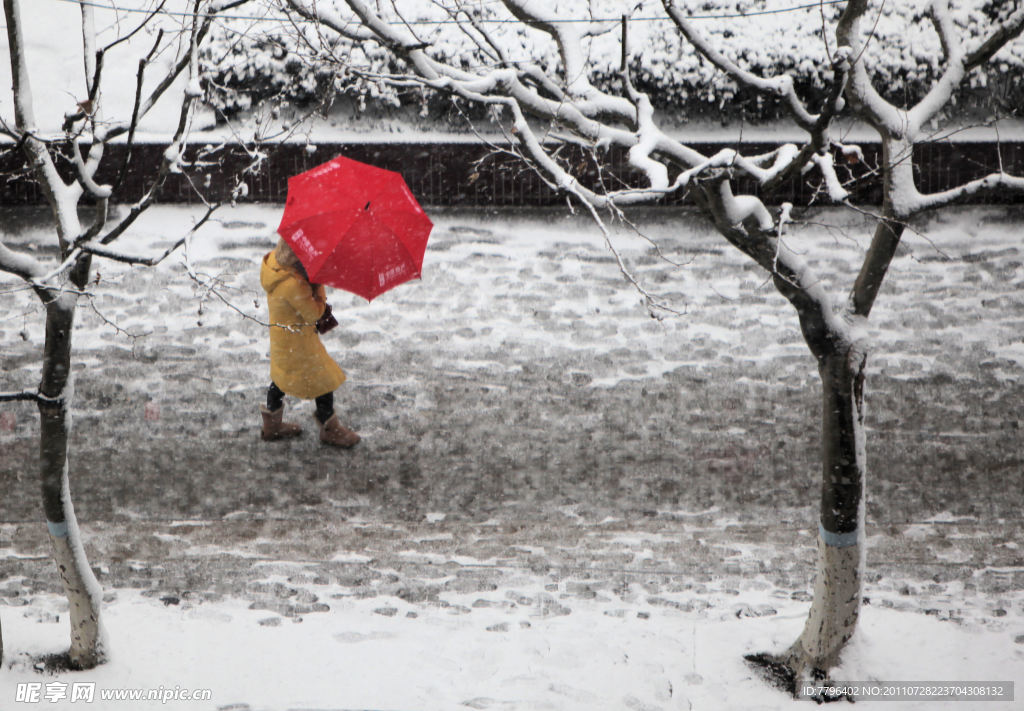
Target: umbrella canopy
x=355 y=227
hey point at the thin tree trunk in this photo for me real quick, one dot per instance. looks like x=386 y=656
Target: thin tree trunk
x=56 y=391
x=837 y=588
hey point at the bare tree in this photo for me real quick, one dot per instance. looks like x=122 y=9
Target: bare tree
x=548 y=108
x=82 y=141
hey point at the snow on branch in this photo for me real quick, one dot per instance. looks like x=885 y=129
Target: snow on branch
x=19 y=264
x=833 y=185
x=860 y=90
x=586 y=103
x=558 y=178
x=959 y=65
x=1004 y=33
x=781 y=86
x=86 y=172
x=938 y=11
x=568 y=36
x=593 y=115
x=939 y=95
x=495 y=85
x=739 y=209
x=98 y=249
x=367 y=25
x=647 y=138
x=989 y=184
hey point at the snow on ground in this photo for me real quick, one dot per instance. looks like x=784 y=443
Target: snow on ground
x=665 y=619
x=509 y=652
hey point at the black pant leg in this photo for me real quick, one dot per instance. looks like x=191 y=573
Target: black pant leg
x=275 y=397
x=325 y=407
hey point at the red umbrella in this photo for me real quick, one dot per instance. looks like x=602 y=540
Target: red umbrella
x=355 y=227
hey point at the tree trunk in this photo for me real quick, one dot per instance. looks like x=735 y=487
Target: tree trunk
x=835 y=608
x=56 y=391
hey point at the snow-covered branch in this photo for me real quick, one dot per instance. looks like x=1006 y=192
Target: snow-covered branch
x=816 y=150
x=619 y=117
x=958 y=65
x=576 y=105
x=569 y=37
x=363 y=28
x=943 y=24
x=862 y=93
x=24 y=112
x=833 y=185
x=938 y=96
x=781 y=86
x=28 y=268
x=98 y=248
x=994 y=183
x=19 y=264
x=85 y=171
x=1007 y=31
x=25 y=128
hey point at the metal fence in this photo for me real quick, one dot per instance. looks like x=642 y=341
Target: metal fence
x=468 y=174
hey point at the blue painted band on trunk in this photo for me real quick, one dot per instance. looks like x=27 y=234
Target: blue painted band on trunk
x=838 y=540
x=58 y=530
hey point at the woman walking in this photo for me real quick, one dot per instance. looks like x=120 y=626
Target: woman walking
x=299 y=363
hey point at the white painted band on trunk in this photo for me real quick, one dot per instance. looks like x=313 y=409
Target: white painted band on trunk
x=58 y=530
x=839 y=540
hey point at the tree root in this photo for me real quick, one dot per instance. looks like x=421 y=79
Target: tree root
x=55 y=663
x=788 y=673
x=61 y=662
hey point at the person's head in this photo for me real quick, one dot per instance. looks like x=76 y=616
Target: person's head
x=287 y=258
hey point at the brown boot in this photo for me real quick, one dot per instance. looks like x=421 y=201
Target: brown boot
x=336 y=434
x=274 y=428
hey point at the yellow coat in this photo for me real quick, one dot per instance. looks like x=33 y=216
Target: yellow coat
x=299 y=363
